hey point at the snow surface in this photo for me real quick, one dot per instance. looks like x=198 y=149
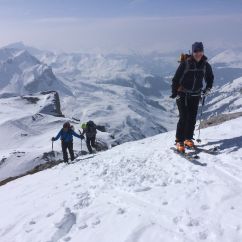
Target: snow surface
x=136 y=192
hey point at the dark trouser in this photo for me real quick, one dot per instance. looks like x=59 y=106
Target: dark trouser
x=187 y=106
x=69 y=146
x=91 y=142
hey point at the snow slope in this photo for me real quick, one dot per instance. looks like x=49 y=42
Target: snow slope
x=225 y=99
x=137 y=192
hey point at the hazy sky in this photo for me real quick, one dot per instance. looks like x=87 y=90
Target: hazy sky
x=121 y=25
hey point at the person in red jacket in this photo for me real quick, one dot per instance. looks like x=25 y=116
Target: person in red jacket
x=187 y=88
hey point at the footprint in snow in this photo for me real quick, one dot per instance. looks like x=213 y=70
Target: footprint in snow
x=193 y=222
x=64 y=226
x=49 y=215
x=82 y=226
x=205 y=207
x=177 y=181
x=28 y=227
x=84 y=200
x=96 y=222
x=176 y=220
x=121 y=211
x=208 y=182
x=238 y=227
x=32 y=222
x=165 y=203
x=142 y=189
x=67 y=239
x=203 y=235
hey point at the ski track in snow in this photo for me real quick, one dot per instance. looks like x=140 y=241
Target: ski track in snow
x=137 y=192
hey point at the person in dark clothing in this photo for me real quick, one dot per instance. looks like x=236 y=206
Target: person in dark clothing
x=187 y=88
x=90 y=130
x=66 y=135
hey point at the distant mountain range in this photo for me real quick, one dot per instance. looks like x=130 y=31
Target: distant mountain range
x=126 y=93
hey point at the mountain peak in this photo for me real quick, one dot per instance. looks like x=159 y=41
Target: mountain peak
x=22 y=46
x=16 y=45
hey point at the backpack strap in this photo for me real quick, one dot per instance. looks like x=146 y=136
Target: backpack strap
x=205 y=68
x=187 y=66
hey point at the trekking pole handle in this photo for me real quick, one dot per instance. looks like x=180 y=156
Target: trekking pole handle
x=203 y=100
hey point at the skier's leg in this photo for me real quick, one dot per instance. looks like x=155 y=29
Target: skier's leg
x=93 y=142
x=180 y=131
x=70 y=148
x=193 y=103
x=88 y=142
x=64 y=150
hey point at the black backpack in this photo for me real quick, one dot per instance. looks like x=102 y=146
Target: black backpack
x=91 y=127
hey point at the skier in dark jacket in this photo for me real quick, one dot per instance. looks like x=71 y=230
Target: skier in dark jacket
x=90 y=130
x=66 y=135
x=187 y=88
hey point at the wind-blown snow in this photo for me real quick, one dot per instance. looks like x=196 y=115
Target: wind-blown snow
x=138 y=191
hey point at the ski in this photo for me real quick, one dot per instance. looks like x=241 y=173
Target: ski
x=86 y=157
x=211 y=151
x=191 y=157
x=83 y=157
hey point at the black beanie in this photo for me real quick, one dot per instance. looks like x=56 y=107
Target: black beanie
x=197 y=46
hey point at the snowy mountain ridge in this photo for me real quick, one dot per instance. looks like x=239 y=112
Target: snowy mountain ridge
x=21 y=73
x=228 y=58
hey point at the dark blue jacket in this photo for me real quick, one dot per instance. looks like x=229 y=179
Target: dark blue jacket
x=67 y=136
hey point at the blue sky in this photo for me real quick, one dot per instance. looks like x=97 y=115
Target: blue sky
x=121 y=25
x=115 y=8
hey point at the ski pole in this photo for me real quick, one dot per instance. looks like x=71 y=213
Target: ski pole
x=52 y=146
x=81 y=141
x=200 y=119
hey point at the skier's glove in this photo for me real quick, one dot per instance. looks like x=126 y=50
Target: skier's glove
x=82 y=137
x=206 y=91
x=53 y=139
x=173 y=95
